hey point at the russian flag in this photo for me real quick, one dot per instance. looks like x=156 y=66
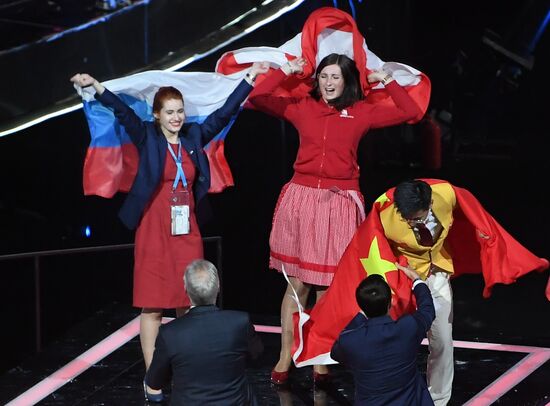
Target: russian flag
x=112 y=160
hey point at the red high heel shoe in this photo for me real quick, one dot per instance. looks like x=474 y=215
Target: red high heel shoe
x=279 y=378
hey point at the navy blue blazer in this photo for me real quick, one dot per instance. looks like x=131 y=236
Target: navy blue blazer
x=204 y=354
x=382 y=354
x=152 y=145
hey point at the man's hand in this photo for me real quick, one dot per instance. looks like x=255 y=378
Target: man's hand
x=411 y=273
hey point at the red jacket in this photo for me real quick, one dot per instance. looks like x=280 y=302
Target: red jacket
x=329 y=138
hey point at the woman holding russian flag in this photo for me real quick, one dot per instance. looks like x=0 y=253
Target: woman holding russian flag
x=319 y=210
x=173 y=178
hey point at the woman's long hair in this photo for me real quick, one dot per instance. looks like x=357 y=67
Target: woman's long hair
x=352 y=86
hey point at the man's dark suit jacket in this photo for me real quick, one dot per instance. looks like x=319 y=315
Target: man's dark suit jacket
x=382 y=354
x=205 y=352
x=152 y=147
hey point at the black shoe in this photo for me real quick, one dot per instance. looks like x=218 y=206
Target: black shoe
x=152 y=397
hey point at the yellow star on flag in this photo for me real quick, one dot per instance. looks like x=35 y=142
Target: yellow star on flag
x=374 y=264
x=382 y=199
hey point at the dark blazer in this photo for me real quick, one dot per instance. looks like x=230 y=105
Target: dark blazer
x=382 y=354
x=205 y=353
x=152 y=146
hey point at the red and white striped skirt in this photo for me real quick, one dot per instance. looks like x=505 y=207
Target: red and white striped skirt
x=311 y=230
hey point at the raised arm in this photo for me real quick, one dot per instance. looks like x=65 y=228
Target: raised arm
x=85 y=80
x=262 y=98
x=218 y=119
x=425 y=313
x=405 y=107
x=125 y=115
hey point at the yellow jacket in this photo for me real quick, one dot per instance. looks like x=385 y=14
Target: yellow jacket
x=403 y=242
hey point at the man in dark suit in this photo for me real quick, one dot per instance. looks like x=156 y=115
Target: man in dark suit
x=205 y=351
x=381 y=352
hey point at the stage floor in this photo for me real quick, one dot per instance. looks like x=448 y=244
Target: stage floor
x=99 y=363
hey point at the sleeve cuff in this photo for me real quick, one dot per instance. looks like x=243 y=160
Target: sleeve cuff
x=417 y=281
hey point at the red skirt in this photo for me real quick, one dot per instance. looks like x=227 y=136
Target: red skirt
x=160 y=257
x=311 y=229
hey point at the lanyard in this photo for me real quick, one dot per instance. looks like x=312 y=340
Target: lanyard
x=179 y=174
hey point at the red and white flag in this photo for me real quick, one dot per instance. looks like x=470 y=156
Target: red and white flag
x=329 y=30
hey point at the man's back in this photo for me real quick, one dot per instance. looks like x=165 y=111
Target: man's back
x=206 y=352
x=382 y=354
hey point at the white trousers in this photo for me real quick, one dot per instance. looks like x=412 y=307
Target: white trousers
x=440 y=370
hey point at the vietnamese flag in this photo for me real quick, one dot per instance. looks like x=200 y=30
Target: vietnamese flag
x=368 y=253
x=501 y=259
x=498 y=257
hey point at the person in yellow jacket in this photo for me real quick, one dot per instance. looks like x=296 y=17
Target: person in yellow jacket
x=416 y=228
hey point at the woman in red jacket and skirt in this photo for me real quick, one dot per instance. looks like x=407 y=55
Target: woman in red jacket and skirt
x=320 y=208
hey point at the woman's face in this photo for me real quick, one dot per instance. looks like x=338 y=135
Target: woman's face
x=171 y=116
x=331 y=82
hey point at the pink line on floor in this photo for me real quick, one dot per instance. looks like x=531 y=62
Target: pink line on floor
x=509 y=379
x=81 y=363
x=537 y=356
x=474 y=345
x=267 y=329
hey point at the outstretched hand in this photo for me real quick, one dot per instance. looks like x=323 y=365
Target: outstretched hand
x=85 y=80
x=259 y=68
x=379 y=76
x=294 y=66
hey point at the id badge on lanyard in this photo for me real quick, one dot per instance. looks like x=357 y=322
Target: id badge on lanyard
x=179 y=199
x=179 y=212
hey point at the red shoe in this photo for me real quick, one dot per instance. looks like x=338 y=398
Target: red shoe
x=321 y=379
x=279 y=378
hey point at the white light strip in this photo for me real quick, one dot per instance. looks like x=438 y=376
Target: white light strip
x=281 y=11
x=239 y=18
x=40 y=119
x=175 y=67
x=247 y=31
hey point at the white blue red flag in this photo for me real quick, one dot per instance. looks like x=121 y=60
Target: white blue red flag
x=111 y=159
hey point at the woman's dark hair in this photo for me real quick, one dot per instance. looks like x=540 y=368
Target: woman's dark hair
x=352 y=85
x=163 y=94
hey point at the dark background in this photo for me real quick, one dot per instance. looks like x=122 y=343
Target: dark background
x=492 y=109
